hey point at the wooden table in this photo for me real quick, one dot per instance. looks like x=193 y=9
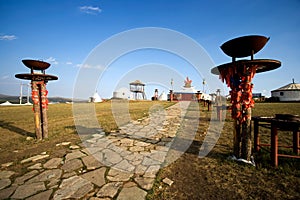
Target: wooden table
x=275 y=125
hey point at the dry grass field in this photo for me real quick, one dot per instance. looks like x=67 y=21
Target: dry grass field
x=212 y=177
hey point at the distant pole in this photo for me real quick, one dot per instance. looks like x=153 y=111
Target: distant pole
x=28 y=87
x=21 y=91
x=203 y=85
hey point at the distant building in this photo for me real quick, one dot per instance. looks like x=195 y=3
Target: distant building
x=289 y=92
x=122 y=93
x=187 y=93
x=258 y=97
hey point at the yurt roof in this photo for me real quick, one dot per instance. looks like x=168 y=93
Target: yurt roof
x=289 y=87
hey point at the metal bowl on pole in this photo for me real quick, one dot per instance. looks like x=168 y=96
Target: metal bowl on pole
x=39 y=93
x=238 y=76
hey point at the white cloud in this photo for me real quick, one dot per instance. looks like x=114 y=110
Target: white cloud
x=69 y=63
x=8 y=37
x=5 y=77
x=87 y=66
x=51 y=60
x=90 y=9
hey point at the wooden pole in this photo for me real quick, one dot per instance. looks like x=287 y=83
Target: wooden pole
x=44 y=103
x=246 y=135
x=274 y=145
x=236 y=138
x=36 y=110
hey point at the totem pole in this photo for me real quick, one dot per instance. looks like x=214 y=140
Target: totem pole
x=39 y=94
x=238 y=75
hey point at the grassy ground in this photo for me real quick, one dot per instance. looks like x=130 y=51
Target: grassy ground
x=217 y=177
x=212 y=177
x=16 y=124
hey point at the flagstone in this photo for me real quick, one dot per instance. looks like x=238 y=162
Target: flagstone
x=110 y=189
x=145 y=182
x=27 y=190
x=4 y=183
x=91 y=162
x=96 y=176
x=6 y=174
x=74 y=187
x=7 y=192
x=42 y=196
x=132 y=193
x=75 y=154
x=47 y=175
x=116 y=175
x=72 y=165
x=36 y=166
x=53 y=163
x=20 y=180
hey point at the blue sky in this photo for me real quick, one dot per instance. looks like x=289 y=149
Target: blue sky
x=65 y=32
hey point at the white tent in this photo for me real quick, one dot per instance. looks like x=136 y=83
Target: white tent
x=163 y=96
x=6 y=103
x=96 y=98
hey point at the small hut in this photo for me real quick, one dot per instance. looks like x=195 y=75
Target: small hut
x=289 y=92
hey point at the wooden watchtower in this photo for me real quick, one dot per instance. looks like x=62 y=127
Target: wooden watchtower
x=138 y=88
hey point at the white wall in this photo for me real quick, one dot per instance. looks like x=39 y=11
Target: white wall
x=292 y=95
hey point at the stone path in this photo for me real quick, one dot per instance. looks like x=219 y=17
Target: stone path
x=120 y=165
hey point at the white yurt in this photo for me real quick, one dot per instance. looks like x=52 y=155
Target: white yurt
x=163 y=96
x=96 y=98
x=289 y=92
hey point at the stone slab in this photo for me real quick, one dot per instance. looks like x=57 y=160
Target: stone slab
x=41 y=196
x=74 y=187
x=53 y=163
x=96 y=176
x=72 y=165
x=7 y=192
x=75 y=154
x=144 y=182
x=35 y=166
x=20 y=180
x=34 y=158
x=48 y=175
x=118 y=176
x=132 y=193
x=27 y=190
x=4 y=183
x=91 y=162
x=110 y=189
x=6 y=174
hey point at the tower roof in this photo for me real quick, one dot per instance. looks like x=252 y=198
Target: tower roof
x=137 y=82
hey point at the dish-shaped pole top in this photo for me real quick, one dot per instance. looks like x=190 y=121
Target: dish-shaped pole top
x=244 y=46
x=36 y=64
